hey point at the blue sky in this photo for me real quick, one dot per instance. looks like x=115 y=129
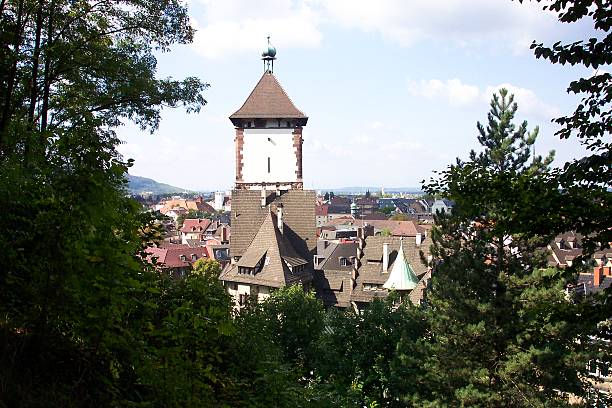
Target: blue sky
x=393 y=89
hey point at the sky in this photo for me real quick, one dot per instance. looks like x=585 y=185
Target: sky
x=393 y=89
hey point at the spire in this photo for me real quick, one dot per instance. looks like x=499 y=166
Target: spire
x=402 y=276
x=268 y=57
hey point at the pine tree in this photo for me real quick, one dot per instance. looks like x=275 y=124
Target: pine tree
x=501 y=332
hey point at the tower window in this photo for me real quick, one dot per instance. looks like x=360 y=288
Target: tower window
x=268 y=165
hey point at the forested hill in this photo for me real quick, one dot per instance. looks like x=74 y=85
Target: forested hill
x=138 y=185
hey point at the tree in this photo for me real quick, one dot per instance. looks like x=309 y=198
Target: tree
x=72 y=279
x=400 y=217
x=502 y=332
x=585 y=181
x=357 y=359
x=207 y=267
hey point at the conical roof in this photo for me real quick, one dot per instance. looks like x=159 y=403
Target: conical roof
x=402 y=276
x=268 y=100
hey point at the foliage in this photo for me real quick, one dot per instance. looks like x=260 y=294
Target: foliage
x=73 y=285
x=386 y=210
x=503 y=333
x=400 y=217
x=357 y=359
x=207 y=267
x=584 y=181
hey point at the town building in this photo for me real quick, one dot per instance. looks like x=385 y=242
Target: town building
x=354 y=272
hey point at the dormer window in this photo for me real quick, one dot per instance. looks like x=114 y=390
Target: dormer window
x=183 y=258
x=194 y=257
x=344 y=261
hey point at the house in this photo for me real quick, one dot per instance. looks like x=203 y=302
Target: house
x=442 y=206
x=333 y=266
x=354 y=273
x=321 y=214
x=194 y=229
x=174 y=260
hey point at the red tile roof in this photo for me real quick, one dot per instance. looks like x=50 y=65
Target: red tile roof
x=321 y=209
x=195 y=225
x=170 y=257
x=268 y=100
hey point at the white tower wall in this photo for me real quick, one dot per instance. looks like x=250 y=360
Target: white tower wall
x=269 y=156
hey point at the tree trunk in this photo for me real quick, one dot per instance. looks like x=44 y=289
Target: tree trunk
x=44 y=115
x=35 y=63
x=6 y=111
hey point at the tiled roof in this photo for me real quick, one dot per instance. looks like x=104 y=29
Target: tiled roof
x=340 y=250
x=370 y=271
x=321 y=209
x=170 y=257
x=298 y=217
x=195 y=225
x=272 y=251
x=397 y=228
x=333 y=287
x=268 y=100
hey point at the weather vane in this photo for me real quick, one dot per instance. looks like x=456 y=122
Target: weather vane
x=268 y=57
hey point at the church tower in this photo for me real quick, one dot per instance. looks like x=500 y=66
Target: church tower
x=268 y=135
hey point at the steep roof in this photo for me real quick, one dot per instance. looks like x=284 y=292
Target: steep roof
x=268 y=100
x=273 y=251
x=402 y=276
x=298 y=217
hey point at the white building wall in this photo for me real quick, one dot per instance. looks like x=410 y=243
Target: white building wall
x=261 y=144
x=218 y=203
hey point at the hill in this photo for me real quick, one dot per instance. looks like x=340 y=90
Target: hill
x=138 y=185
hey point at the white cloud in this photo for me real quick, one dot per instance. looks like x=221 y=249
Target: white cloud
x=457 y=93
x=235 y=26
x=528 y=102
x=461 y=21
x=453 y=90
x=229 y=27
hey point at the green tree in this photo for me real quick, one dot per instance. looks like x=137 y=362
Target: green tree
x=585 y=181
x=207 y=267
x=502 y=331
x=358 y=363
x=400 y=217
x=72 y=279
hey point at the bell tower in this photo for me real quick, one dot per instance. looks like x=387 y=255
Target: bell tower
x=268 y=137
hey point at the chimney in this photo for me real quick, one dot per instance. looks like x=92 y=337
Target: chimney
x=385 y=257
x=263 y=196
x=279 y=216
x=419 y=238
x=607 y=271
x=597 y=275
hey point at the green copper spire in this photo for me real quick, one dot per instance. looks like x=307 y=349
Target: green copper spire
x=402 y=277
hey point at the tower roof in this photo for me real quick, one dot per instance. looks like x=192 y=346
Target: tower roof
x=402 y=276
x=268 y=100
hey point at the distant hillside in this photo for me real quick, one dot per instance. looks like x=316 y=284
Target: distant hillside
x=138 y=185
